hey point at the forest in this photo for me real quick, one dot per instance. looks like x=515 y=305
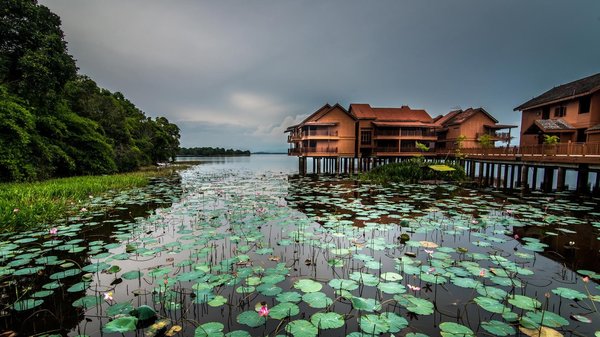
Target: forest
x=211 y=152
x=55 y=122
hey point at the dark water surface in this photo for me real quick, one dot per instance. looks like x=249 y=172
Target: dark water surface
x=233 y=233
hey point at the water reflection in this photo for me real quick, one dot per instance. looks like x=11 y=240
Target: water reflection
x=69 y=250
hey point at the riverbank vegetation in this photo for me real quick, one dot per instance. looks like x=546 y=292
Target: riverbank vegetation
x=211 y=152
x=30 y=204
x=412 y=171
x=55 y=122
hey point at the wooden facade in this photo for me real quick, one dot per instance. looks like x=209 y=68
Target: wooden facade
x=363 y=131
x=570 y=111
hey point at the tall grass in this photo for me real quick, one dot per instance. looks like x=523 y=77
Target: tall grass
x=411 y=171
x=26 y=205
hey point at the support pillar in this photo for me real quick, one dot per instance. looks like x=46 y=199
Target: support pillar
x=548 y=178
x=583 y=174
x=560 y=179
x=525 y=178
x=534 y=182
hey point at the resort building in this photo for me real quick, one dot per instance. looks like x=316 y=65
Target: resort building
x=570 y=111
x=364 y=131
x=328 y=132
x=391 y=132
x=473 y=128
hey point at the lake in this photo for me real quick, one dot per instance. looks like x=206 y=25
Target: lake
x=201 y=253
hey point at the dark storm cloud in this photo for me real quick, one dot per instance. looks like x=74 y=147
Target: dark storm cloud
x=235 y=73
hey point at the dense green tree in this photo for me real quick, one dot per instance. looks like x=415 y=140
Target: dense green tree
x=57 y=123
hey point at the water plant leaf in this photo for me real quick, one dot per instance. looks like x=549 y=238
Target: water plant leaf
x=87 y=302
x=251 y=319
x=26 y=304
x=327 y=320
x=301 y=328
x=283 y=310
x=317 y=300
x=121 y=324
x=339 y=284
x=547 y=318
x=119 y=309
x=568 y=293
x=143 y=312
x=391 y=276
x=289 y=296
x=211 y=329
x=395 y=322
x=455 y=329
x=524 y=302
x=373 y=324
x=308 y=285
x=365 y=304
x=238 y=333
x=490 y=304
x=498 y=328
x=217 y=301
x=132 y=275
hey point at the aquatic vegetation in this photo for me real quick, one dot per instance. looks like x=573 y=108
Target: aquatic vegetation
x=27 y=205
x=235 y=253
x=414 y=170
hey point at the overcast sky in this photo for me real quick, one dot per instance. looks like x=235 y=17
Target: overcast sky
x=236 y=73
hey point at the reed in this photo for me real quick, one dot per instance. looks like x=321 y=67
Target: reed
x=27 y=205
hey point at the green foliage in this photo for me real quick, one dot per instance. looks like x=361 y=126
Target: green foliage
x=551 y=139
x=211 y=152
x=459 y=145
x=411 y=171
x=27 y=204
x=422 y=147
x=55 y=123
x=486 y=141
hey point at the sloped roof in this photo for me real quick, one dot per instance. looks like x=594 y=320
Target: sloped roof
x=582 y=87
x=595 y=128
x=313 y=118
x=470 y=112
x=553 y=124
x=402 y=114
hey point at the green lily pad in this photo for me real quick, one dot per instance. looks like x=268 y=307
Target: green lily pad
x=365 y=304
x=568 y=293
x=456 y=329
x=289 y=296
x=308 y=286
x=301 y=328
x=251 y=319
x=498 y=328
x=283 y=310
x=26 y=304
x=317 y=300
x=211 y=329
x=373 y=324
x=121 y=324
x=524 y=302
x=328 y=320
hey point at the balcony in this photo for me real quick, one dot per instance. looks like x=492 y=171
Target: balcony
x=312 y=134
x=396 y=151
x=496 y=136
x=294 y=138
x=313 y=151
x=404 y=134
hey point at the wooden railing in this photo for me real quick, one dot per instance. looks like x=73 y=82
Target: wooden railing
x=330 y=133
x=561 y=150
x=305 y=150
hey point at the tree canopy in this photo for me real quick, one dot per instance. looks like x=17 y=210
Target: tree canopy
x=56 y=122
x=211 y=152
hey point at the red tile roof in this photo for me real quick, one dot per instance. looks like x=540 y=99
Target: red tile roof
x=402 y=114
x=581 y=87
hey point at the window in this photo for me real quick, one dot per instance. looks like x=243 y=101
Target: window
x=560 y=111
x=584 y=104
x=365 y=137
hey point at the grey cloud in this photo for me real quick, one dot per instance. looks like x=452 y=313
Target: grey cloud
x=246 y=67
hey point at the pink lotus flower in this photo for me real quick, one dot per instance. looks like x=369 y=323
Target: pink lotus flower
x=586 y=279
x=264 y=311
x=429 y=251
x=84 y=209
x=108 y=296
x=517 y=236
x=482 y=273
x=53 y=231
x=413 y=288
x=16 y=210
